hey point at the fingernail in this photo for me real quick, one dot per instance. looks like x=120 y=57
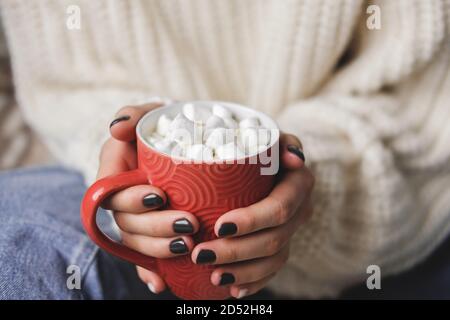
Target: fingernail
x=226 y=278
x=206 y=256
x=122 y=118
x=152 y=200
x=178 y=246
x=242 y=293
x=297 y=151
x=227 y=229
x=183 y=226
x=151 y=287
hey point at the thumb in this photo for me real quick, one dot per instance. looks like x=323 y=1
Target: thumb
x=115 y=157
x=291 y=151
x=124 y=125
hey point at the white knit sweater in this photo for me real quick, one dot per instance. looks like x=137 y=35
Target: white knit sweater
x=375 y=126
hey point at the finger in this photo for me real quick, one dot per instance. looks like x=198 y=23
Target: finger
x=158 y=247
x=248 y=289
x=291 y=150
x=257 y=245
x=276 y=209
x=166 y=223
x=154 y=282
x=124 y=125
x=136 y=199
x=249 y=271
x=115 y=157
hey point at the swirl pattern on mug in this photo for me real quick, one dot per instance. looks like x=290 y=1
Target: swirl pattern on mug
x=160 y=167
x=191 y=281
x=199 y=190
x=207 y=191
x=255 y=190
x=231 y=180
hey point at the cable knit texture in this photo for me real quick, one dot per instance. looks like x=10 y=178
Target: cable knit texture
x=375 y=125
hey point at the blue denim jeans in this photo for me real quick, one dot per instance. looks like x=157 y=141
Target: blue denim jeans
x=41 y=236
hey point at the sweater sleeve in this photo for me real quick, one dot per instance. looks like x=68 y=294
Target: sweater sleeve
x=377 y=139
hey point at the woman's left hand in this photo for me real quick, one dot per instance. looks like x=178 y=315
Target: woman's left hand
x=254 y=241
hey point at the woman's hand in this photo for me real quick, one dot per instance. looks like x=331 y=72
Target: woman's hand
x=144 y=226
x=254 y=242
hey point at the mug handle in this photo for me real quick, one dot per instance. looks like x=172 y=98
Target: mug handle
x=92 y=200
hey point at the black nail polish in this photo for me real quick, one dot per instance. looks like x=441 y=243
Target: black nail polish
x=296 y=150
x=152 y=200
x=178 y=246
x=122 y=118
x=183 y=226
x=226 y=278
x=227 y=229
x=206 y=256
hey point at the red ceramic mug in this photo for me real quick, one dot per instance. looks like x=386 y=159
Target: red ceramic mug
x=207 y=190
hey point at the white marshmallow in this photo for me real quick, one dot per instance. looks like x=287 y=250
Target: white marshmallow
x=251 y=122
x=229 y=151
x=199 y=133
x=163 y=125
x=251 y=138
x=177 y=151
x=182 y=130
x=196 y=113
x=164 y=145
x=152 y=139
x=179 y=121
x=230 y=123
x=221 y=111
x=199 y=130
x=219 y=136
x=214 y=122
x=199 y=152
x=248 y=138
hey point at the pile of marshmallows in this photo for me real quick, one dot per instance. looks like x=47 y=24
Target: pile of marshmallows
x=208 y=134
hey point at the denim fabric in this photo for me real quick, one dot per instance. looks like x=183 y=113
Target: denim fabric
x=41 y=235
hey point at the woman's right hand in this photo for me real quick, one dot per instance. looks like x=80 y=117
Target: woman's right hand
x=139 y=211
